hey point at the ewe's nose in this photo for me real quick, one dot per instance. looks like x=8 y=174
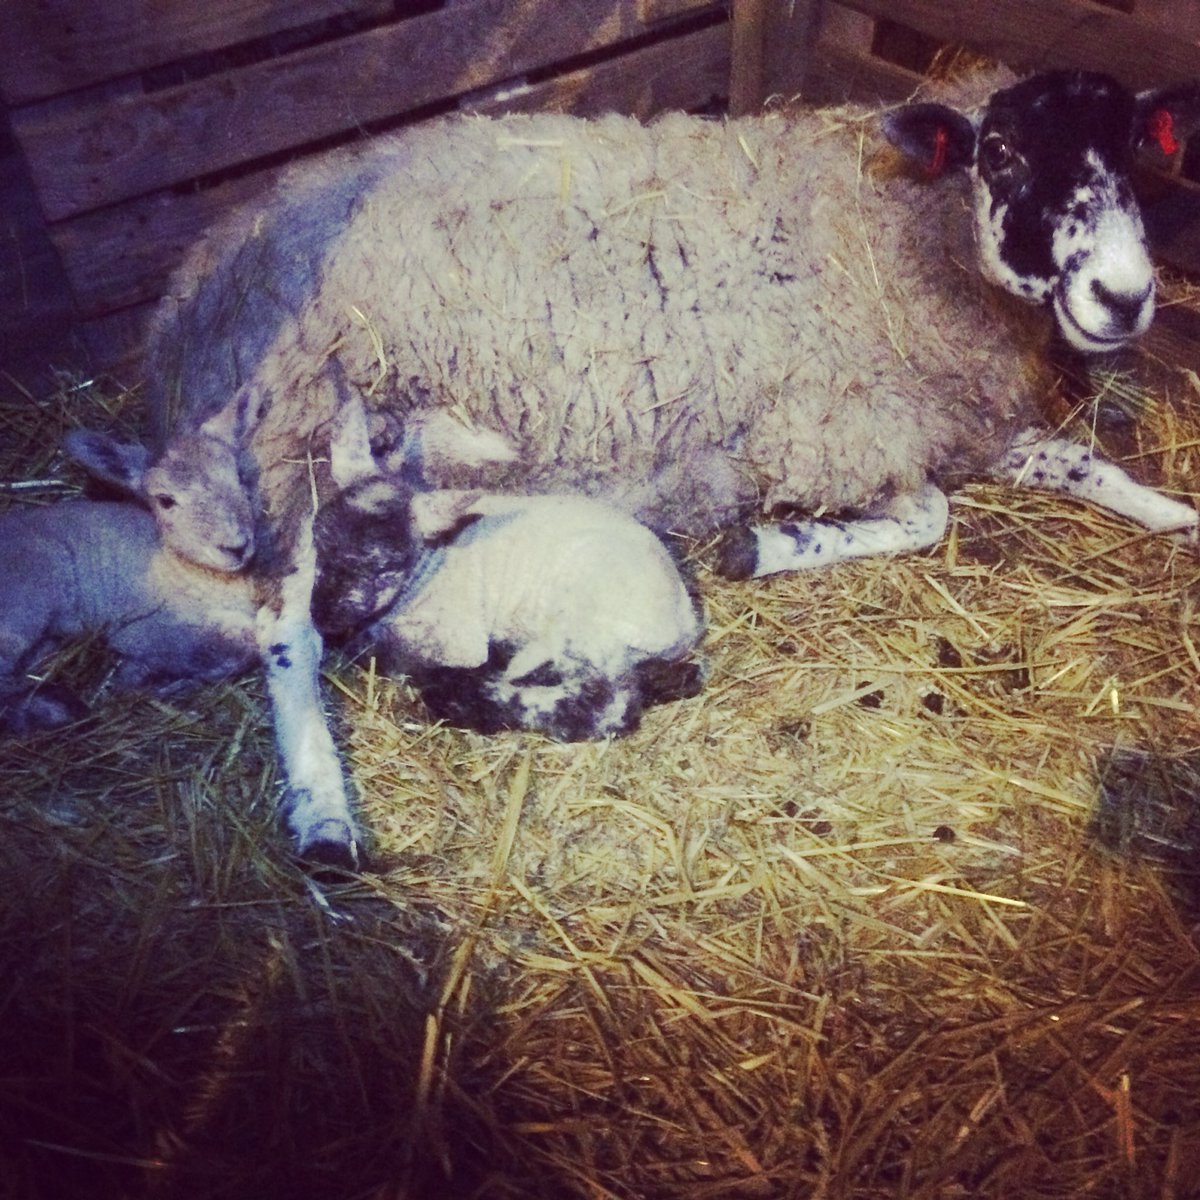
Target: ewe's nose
x=1104 y=297
x=1102 y=311
x=1125 y=308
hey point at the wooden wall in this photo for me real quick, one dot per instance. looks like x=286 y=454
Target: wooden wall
x=140 y=120
x=875 y=49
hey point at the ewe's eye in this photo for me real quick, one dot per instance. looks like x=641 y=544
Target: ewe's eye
x=164 y=501
x=996 y=154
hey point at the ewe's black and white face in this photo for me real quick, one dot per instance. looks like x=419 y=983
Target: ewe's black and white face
x=1057 y=223
x=1056 y=216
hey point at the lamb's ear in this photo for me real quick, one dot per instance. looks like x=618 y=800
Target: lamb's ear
x=120 y=465
x=1165 y=116
x=934 y=136
x=226 y=424
x=350 y=457
x=437 y=445
x=439 y=517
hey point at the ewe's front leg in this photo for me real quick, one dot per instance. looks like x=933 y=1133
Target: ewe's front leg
x=908 y=522
x=1059 y=465
x=318 y=810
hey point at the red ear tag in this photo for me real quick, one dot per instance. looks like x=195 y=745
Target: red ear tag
x=937 y=164
x=1161 y=127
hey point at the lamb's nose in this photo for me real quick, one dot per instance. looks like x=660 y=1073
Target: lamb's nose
x=238 y=553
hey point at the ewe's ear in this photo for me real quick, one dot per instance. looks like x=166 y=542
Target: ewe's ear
x=121 y=465
x=1164 y=116
x=934 y=136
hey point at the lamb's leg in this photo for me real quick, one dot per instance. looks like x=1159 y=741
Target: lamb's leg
x=564 y=698
x=908 y=522
x=26 y=707
x=318 y=810
x=1059 y=465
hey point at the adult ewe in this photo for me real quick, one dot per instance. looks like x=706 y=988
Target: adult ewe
x=698 y=321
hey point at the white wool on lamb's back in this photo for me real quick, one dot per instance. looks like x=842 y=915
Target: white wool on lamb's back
x=553 y=576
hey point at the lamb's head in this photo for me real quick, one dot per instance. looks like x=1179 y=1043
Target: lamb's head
x=367 y=553
x=366 y=548
x=377 y=532
x=1049 y=160
x=194 y=488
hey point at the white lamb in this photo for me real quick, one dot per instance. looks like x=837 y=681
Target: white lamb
x=699 y=321
x=554 y=613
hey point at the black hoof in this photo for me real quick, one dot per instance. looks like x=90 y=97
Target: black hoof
x=737 y=553
x=661 y=681
x=49 y=706
x=332 y=849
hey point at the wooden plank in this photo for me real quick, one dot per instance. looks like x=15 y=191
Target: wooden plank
x=790 y=38
x=122 y=255
x=36 y=307
x=842 y=26
x=772 y=44
x=1053 y=33
x=1179 y=19
x=747 y=81
x=57 y=47
x=1173 y=223
x=1174 y=337
x=81 y=160
x=650 y=11
x=115 y=343
x=685 y=72
x=838 y=74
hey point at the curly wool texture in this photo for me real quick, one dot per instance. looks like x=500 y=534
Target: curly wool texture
x=695 y=320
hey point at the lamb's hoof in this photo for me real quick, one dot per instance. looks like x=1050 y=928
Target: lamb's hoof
x=660 y=680
x=737 y=553
x=49 y=706
x=331 y=846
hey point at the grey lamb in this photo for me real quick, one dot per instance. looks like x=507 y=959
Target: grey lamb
x=99 y=567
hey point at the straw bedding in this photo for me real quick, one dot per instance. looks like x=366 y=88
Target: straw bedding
x=902 y=905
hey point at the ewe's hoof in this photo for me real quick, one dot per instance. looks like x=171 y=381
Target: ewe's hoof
x=737 y=553
x=331 y=845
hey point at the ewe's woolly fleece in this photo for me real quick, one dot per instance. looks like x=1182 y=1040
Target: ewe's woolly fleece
x=696 y=319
